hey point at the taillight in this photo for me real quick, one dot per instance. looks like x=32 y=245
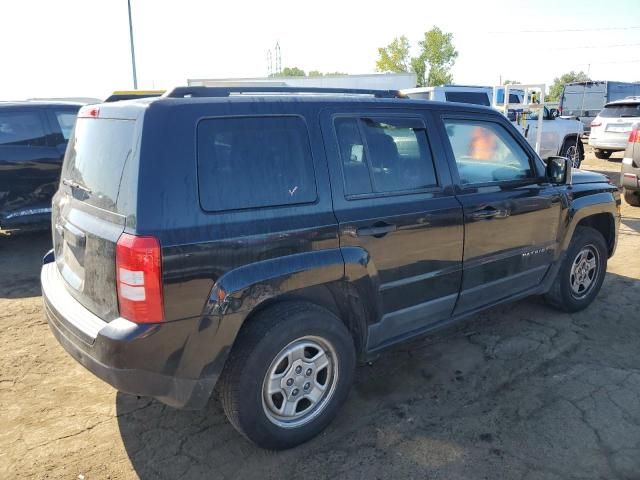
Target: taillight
x=89 y=111
x=595 y=124
x=139 y=278
x=634 y=136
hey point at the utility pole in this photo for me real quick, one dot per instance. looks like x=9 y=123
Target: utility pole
x=133 y=52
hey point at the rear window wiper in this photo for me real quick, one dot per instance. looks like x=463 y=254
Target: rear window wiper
x=79 y=186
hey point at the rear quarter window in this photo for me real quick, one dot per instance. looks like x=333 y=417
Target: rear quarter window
x=253 y=162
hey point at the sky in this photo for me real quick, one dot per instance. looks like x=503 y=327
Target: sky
x=80 y=48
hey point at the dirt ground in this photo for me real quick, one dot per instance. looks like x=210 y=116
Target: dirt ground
x=521 y=391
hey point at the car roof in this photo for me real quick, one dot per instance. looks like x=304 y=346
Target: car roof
x=131 y=109
x=39 y=103
x=625 y=101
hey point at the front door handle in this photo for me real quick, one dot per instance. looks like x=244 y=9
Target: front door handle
x=377 y=230
x=490 y=212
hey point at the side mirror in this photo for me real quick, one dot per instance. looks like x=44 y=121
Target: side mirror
x=554 y=113
x=559 y=170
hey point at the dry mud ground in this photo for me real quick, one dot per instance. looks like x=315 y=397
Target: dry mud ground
x=521 y=391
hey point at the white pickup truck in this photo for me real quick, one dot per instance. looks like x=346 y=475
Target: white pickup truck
x=560 y=136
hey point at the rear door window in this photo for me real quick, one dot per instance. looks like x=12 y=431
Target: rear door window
x=22 y=128
x=477 y=98
x=384 y=155
x=254 y=162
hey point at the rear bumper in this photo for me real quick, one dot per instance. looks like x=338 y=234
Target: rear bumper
x=608 y=143
x=629 y=175
x=151 y=360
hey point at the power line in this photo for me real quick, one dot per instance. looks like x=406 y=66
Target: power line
x=597 y=46
x=601 y=29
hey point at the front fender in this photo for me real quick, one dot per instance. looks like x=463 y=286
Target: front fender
x=588 y=203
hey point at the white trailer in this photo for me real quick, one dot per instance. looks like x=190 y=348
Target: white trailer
x=376 y=81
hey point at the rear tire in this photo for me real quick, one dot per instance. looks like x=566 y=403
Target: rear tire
x=602 y=154
x=632 y=197
x=272 y=390
x=582 y=272
x=573 y=150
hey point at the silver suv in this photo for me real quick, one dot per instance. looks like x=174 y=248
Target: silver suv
x=611 y=128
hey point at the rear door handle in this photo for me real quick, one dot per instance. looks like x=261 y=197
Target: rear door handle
x=490 y=212
x=377 y=230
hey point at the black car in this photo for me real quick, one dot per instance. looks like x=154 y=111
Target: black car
x=264 y=240
x=33 y=139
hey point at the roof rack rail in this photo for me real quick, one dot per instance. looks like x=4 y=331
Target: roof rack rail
x=200 y=91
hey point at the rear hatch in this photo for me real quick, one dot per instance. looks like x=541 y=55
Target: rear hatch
x=95 y=198
x=616 y=121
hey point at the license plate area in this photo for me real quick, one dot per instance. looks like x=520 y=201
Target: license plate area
x=619 y=128
x=71 y=262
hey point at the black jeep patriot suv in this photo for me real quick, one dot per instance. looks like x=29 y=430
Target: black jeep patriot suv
x=264 y=240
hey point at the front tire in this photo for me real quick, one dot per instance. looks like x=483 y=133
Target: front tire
x=582 y=272
x=573 y=150
x=290 y=370
x=602 y=154
x=632 y=197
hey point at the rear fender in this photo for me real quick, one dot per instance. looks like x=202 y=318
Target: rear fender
x=243 y=289
x=348 y=274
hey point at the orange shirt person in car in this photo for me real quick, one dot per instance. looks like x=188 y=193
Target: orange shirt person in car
x=483 y=144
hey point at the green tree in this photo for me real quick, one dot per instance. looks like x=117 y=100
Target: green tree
x=420 y=69
x=315 y=73
x=432 y=66
x=437 y=51
x=556 y=87
x=394 y=58
x=290 y=72
x=335 y=74
x=510 y=82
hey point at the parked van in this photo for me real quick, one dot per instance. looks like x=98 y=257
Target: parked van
x=584 y=100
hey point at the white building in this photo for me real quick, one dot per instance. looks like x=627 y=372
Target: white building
x=376 y=81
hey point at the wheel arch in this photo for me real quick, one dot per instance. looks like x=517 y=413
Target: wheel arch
x=342 y=281
x=598 y=211
x=571 y=137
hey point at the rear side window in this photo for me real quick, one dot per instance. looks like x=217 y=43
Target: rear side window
x=477 y=98
x=485 y=152
x=66 y=120
x=96 y=156
x=621 y=110
x=22 y=129
x=254 y=162
x=382 y=155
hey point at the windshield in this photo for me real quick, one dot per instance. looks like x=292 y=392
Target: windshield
x=621 y=110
